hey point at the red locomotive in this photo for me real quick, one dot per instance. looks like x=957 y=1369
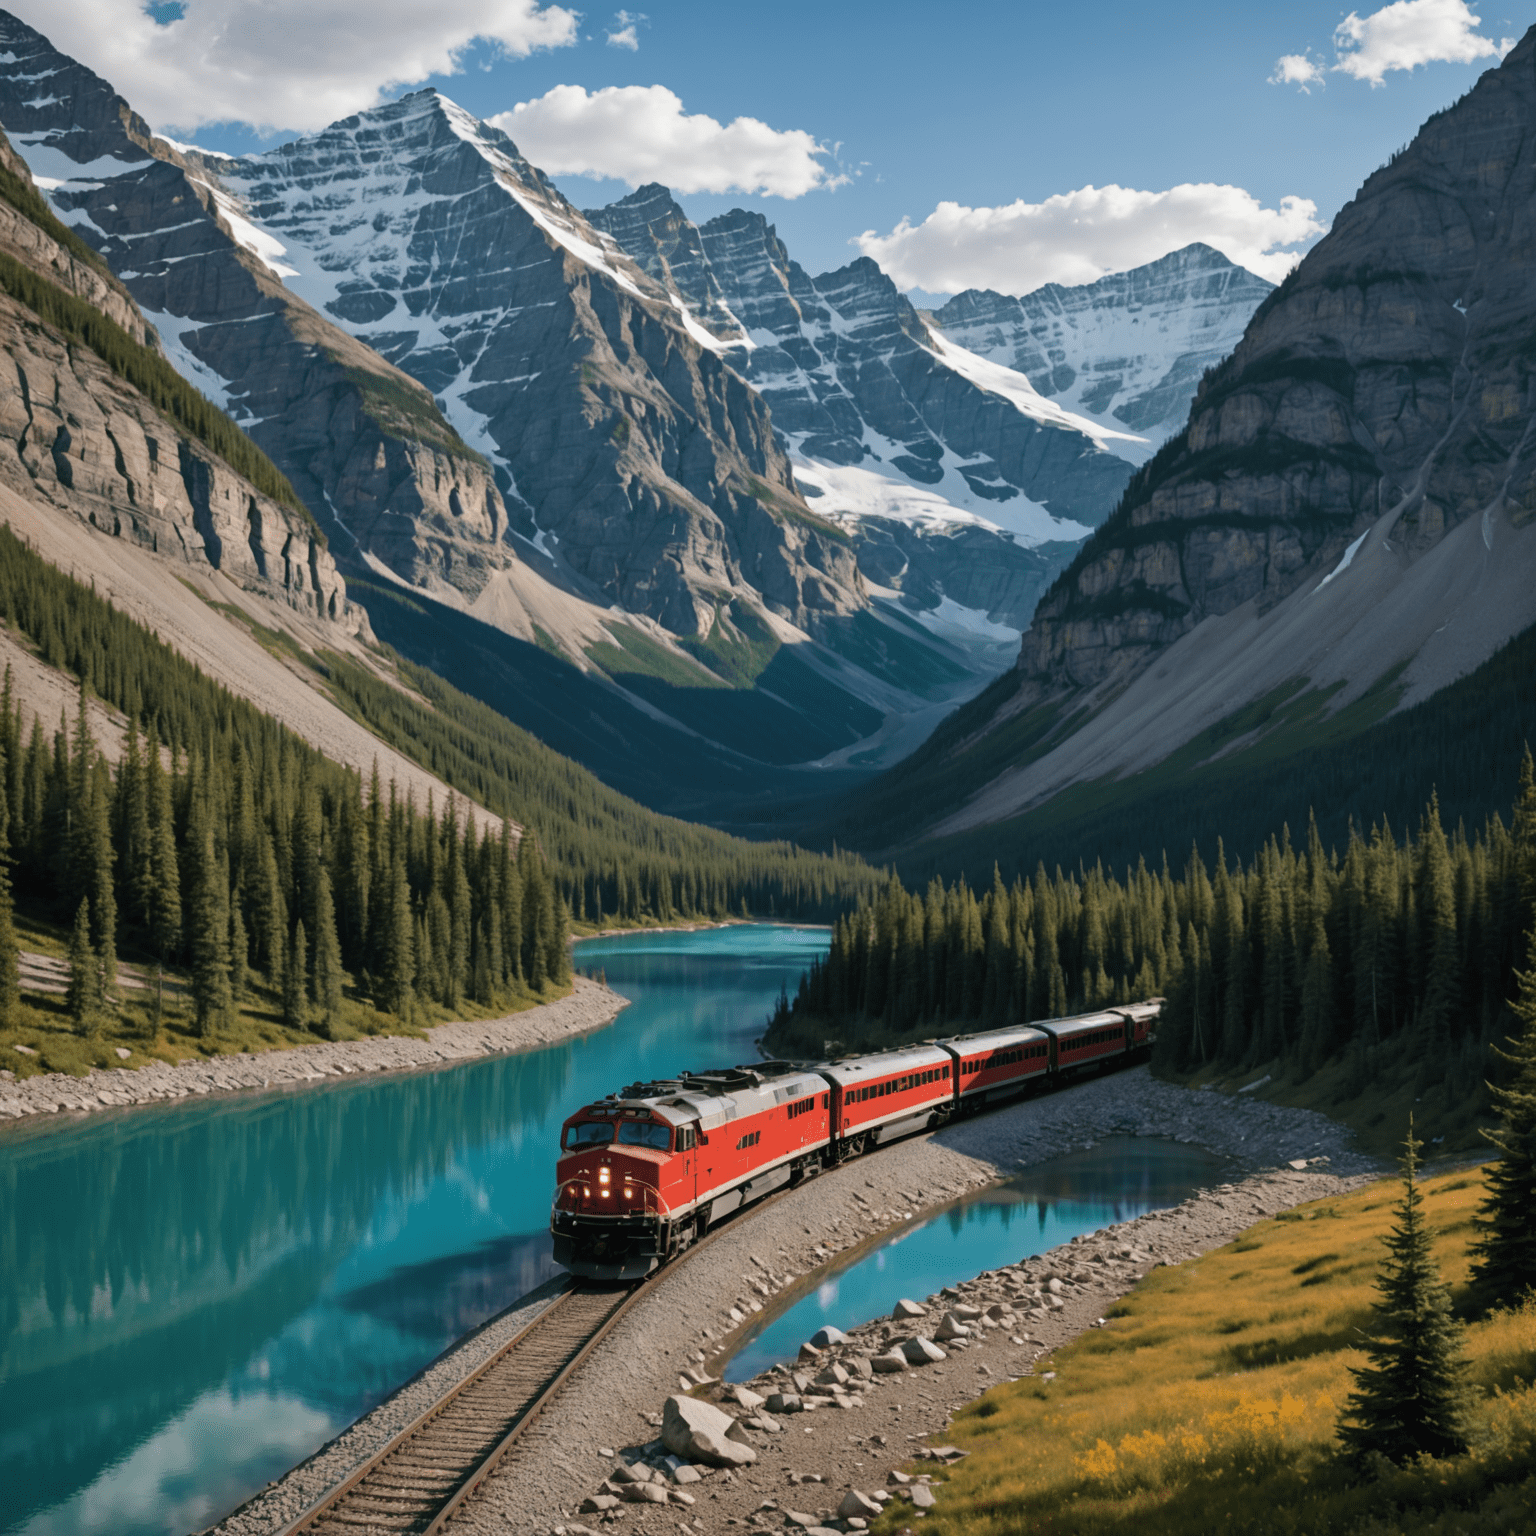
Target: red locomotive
x=644 y=1172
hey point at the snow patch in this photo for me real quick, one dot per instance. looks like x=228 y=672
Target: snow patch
x=950 y=616
x=1343 y=565
x=174 y=331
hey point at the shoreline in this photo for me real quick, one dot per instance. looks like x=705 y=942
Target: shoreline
x=588 y=1006
x=696 y=1316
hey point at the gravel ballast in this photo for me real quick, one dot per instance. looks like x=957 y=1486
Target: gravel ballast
x=589 y=1006
x=692 y=1318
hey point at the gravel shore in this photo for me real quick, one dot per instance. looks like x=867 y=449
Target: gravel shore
x=589 y=1006
x=694 y=1317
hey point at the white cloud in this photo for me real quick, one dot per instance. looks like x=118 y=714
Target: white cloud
x=1409 y=33
x=625 y=32
x=640 y=133
x=1298 y=69
x=290 y=64
x=1076 y=237
x=1402 y=36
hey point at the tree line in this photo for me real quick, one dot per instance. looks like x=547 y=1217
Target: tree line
x=245 y=850
x=611 y=858
x=1299 y=956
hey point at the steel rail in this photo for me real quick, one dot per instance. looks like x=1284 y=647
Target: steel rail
x=403 y=1481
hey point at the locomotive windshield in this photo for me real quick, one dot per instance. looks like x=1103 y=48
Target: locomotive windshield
x=644 y=1133
x=590 y=1133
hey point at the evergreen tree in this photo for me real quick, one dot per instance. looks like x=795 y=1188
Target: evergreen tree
x=1410 y=1400
x=397 y=967
x=10 y=979
x=83 y=998
x=1504 y=1269
x=162 y=914
x=327 y=968
x=208 y=931
x=239 y=953
x=295 y=988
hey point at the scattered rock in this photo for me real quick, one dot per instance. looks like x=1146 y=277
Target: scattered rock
x=597 y=1503
x=856 y=1504
x=889 y=1364
x=825 y=1338
x=785 y=1402
x=699 y=1431
x=922 y=1496
x=905 y=1309
x=920 y=1351
x=951 y=1328
x=745 y=1397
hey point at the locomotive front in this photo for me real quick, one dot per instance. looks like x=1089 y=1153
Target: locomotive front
x=619 y=1179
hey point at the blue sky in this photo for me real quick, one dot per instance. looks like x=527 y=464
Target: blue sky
x=974 y=103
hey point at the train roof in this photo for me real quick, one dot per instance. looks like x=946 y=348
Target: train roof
x=1105 y=1018
x=883 y=1063
x=994 y=1039
x=711 y=1098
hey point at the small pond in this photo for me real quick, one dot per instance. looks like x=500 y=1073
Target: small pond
x=1120 y=1178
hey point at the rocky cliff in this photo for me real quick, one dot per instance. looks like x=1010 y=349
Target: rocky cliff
x=902 y=438
x=615 y=432
x=82 y=439
x=1127 y=351
x=363 y=444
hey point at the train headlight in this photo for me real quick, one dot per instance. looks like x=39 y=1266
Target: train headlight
x=602 y=1177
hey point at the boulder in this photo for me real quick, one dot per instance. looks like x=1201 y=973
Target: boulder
x=860 y=1366
x=999 y=1310
x=643 y=1493
x=918 y=1351
x=785 y=1402
x=677 y=1496
x=809 y=1352
x=897 y=1479
x=799 y=1521
x=965 y=1312
x=857 y=1504
x=683 y=1473
x=745 y=1397
x=623 y=1473
x=801 y=1381
x=905 y=1309
x=832 y=1375
x=825 y=1338
x=922 y=1496
x=598 y=1503
x=768 y=1425
x=698 y=1431
x=950 y=1327
x=1054 y=1286
x=890 y=1364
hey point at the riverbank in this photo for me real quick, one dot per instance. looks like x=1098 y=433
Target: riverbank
x=588 y=1006
x=696 y=1316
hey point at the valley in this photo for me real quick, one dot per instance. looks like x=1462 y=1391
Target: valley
x=487 y=612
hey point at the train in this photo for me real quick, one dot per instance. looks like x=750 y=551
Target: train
x=645 y=1172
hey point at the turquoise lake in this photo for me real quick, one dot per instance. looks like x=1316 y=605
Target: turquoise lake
x=195 y=1297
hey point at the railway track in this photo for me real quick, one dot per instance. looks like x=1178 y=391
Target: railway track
x=417 y=1482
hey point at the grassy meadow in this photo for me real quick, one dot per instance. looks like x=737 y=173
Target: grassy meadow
x=255 y=1024
x=1207 y=1405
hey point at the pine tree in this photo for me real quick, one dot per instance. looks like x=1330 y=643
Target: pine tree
x=162 y=914
x=239 y=953
x=208 y=931
x=327 y=968
x=397 y=965
x=83 y=998
x=1410 y=1400
x=1505 y=1249
x=295 y=988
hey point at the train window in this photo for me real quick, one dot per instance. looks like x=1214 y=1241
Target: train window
x=751 y=1139
x=590 y=1133
x=685 y=1138
x=644 y=1133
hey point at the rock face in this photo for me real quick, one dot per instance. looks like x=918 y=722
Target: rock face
x=84 y=440
x=650 y=462
x=1385 y=382
x=895 y=433
x=1127 y=351
x=365 y=447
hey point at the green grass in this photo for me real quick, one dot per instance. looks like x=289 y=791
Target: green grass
x=634 y=653
x=255 y=1025
x=1209 y=1402
x=739 y=647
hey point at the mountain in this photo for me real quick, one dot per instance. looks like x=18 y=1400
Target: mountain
x=364 y=446
x=1345 y=527
x=895 y=433
x=1127 y=351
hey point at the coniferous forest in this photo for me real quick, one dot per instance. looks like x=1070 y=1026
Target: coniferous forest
x=1397 y=949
